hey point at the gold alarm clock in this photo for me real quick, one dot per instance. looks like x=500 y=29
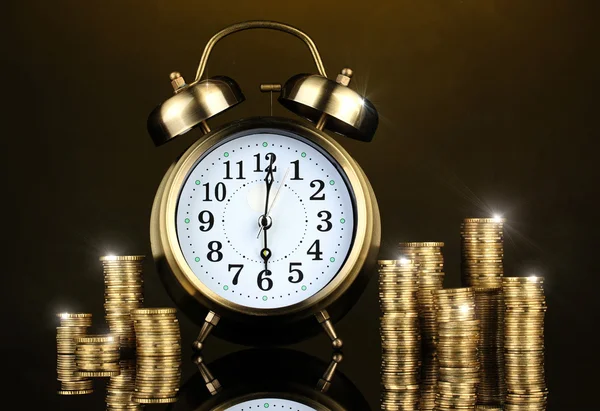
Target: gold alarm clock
x=265 y=224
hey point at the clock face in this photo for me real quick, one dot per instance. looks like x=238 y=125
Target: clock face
x=265 y=219
x=270 y=403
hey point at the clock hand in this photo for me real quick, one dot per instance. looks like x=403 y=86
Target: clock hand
x=265 y=253
x=274 y=198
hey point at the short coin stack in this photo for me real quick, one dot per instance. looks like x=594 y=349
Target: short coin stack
x=482 y=246
x=71 y=326
x=524 y=343
x=158 y=342
x=430 y=261
x=458 y=337
x=429 y=376
x=119 y=389
x=123 y=292
x=400 y=337
x=97 y=356
x=489 y=310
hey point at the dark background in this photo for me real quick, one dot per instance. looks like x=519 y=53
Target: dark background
x=485 y=106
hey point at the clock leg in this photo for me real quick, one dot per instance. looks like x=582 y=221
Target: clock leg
x=212 y=384
x=325 y=381
x=210 y=322
x=325 y=321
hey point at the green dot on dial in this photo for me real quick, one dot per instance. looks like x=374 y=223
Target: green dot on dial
x=187 y=220
x=332 y=259
x=226 y=287
x=303 y=154
x=265 y=144
x=197 y=182
x=226 y=154
x=342 y=220
x=265 y=298
x=331 y=182
x=303 y=288
x=197 y=259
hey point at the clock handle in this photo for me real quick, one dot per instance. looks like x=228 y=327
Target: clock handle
x=259 y=24
x=210 y=322
x=325 y=321
x=325 y=381
x=212 y=384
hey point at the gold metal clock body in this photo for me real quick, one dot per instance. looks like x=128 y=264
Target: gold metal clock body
x=264 y=326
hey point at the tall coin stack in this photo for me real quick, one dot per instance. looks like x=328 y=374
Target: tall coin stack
x=123 y=292
x=71 y=326
x=158 y=342
x=430 y=261
x=489 y=310
x=400 y=337
x=119 y=389
x=97 y=356
x=458 y=337
x=524 y=343
x=482 y=246
x=482 y=241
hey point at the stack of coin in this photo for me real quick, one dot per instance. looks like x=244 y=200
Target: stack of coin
x=524 y=343
x=71 y=326
x=489 y=310
x=430 y=261
x=482 y=249
x=97 y=356
x=123 y=292
x=458 y=337
x=429 y=376
x=119 y=389
x=158 y=343
x=400 y=337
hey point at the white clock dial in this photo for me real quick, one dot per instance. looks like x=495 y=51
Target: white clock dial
x=270 y=404
x=310 y=219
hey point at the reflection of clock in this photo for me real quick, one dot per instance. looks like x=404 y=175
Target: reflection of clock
x=265 y=222
x=274 y=379
x=275 y=403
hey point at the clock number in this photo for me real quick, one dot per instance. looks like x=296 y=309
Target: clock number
x=327 y=216
x=321 y=185
x=296 y=170
x=239 y=270
x=210 y=220
x=268 y=157
x=220 y=192
x=215 y=248
x=317 y=250
x=295 y=270
x=263 y=277
x=228 y=170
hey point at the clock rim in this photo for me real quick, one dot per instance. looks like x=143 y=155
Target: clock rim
x=170 y=259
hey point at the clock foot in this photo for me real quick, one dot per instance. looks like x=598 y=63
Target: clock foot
x=212 y=384
x=210 y=322
x=325 y=321
x=325 y=381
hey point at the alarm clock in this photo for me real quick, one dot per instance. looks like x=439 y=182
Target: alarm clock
x=265 y=229
x=273 y=379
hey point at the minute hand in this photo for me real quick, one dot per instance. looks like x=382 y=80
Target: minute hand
x=274 y=199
